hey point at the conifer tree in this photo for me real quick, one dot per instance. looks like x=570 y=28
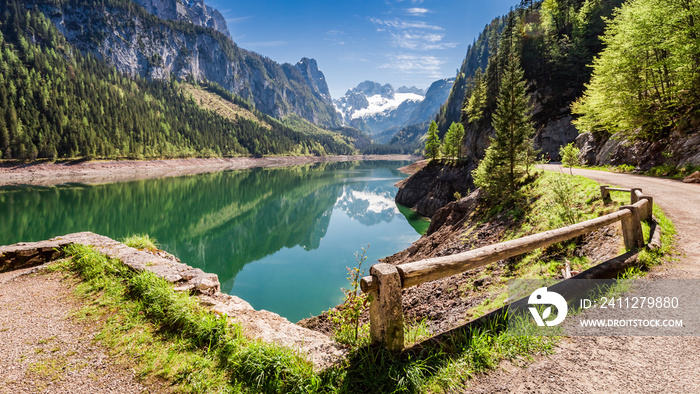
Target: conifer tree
x=452 y=145
x=501 y=168
x=432 y=142
x=475 y=104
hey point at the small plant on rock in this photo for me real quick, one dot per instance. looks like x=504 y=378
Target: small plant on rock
x=346 y=317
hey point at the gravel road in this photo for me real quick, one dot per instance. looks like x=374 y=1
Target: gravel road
x=45 y=350
x=622 y=364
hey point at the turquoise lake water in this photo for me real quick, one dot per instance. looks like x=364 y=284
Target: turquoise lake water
x=279 y=238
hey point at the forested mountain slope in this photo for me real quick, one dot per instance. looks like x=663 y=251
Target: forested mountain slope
x=139 y=43
x=556 y=41
x=57 y=102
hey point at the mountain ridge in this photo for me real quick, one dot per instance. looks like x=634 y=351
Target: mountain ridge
x=382 y=110
x=140 y=44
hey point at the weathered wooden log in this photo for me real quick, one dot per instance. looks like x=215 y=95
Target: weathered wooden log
x=648 y=210
x=619 y=189
x=635 y=193
x=439 y=267
x=576 y=285
x=604 y=193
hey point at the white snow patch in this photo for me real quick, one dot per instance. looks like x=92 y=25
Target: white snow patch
x=379 y=104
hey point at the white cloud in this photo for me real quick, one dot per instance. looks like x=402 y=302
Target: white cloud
x=399 y=24
x=420 y=41
x=239 y=19
x=415 y=11
x=415 y=64
x=413 y=35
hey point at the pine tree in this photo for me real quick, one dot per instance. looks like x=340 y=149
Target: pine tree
x=501 y=168
x=432 y=142
x=474 y=106
x=452 y=145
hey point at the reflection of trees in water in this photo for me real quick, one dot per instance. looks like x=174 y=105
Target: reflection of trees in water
x=218 y=221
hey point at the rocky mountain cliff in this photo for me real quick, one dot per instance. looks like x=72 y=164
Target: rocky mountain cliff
x=382 y=110
x=678 y=150
x=434 y=185
x=193 y=11
x=435 y=96
x=314 y=77
x=191 y=43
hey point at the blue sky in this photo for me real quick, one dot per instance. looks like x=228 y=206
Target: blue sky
x=402 y=42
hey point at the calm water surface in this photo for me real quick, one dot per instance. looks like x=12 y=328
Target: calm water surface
x=279 y=238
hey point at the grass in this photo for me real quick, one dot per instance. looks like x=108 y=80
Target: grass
x=141 y=242
x=170 y=337
x=51 y=368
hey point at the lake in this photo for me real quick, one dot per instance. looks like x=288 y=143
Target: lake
x=280 y=238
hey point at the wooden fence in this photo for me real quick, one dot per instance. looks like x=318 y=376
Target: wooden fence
x=386 y=281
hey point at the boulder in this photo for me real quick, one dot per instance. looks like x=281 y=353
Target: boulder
x=692 y=178
x=435 y=186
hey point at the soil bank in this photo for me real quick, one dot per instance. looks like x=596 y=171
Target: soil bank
x=92 y=172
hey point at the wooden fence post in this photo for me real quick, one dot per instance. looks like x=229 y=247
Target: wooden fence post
x=604 y=193
x=385 y=310
x=633 y=195
x=648 y=210
x=632 y=228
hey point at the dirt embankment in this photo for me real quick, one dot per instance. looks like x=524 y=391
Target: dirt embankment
x=47 y=174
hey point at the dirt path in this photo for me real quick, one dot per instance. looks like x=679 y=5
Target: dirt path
x=46 y=174
x=44 y=349
x=622 y=364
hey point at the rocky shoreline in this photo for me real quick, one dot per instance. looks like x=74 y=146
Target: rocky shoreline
x=92 y=172
x=259 y=324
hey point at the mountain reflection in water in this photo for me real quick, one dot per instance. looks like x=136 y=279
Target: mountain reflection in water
x=280 y=238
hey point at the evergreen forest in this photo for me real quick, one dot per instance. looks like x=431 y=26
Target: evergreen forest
x=59 y=103
x=617 y=67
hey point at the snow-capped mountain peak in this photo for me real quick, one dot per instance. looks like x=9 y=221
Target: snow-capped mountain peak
x=379 y=104
x=373 y=107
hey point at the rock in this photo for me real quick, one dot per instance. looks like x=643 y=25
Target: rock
x=556 y=133
x=678 y=149
x=435 y=315
x=453 y=213
x=434 y=186
x=693 y=178
x=589 y=144
x=207 y=283
x=192 y=11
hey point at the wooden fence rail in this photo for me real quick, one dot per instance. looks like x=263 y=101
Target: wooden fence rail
x=386 y=281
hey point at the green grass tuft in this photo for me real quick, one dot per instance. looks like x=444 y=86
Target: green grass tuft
x=141 y=242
